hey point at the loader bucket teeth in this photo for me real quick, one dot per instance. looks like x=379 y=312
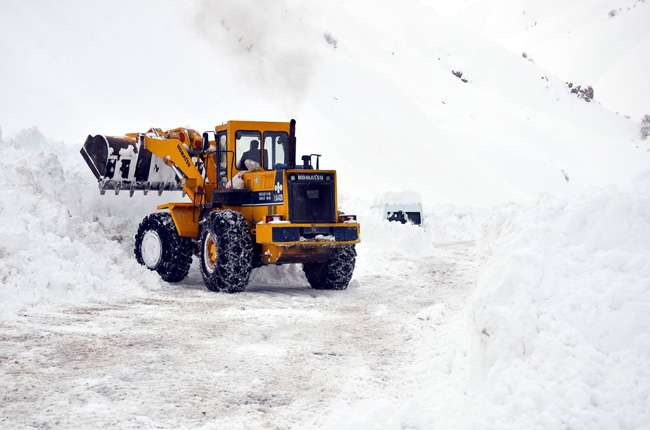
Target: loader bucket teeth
x=119 y=163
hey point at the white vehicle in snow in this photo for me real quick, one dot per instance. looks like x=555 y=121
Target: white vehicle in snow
x=400 y=206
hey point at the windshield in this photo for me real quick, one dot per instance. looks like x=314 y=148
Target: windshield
x=275 y=149
x=247 y=147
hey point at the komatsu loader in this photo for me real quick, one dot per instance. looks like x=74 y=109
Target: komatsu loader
x=249 y=204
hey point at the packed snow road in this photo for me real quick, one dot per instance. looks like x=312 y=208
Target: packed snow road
x=274 y=357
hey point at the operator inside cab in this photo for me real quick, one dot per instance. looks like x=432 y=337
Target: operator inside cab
x=253 y=154
x=266 y=150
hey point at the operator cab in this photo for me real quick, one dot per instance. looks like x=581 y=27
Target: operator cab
x=273 y=154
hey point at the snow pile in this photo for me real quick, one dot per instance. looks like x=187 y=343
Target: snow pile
x=447 y=223
x=389 y=249
x=58 y=245
x=287 y=275
x=397 y=198
x=561 y=313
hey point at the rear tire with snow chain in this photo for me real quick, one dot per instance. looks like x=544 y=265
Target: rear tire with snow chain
x=159 y=247
x=335 y=273
x=226 y=251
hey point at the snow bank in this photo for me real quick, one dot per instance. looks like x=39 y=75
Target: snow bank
x=561 y=313
x=59 y=244
x=397 y=198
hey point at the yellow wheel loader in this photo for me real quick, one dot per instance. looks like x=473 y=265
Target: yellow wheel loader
x=249 y=204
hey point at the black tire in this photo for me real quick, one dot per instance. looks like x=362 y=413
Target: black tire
x=335 y=273
x=159 y=247
x=226 y=251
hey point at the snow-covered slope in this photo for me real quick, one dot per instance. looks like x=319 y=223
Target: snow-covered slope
x=382 y=106
x=602 y=43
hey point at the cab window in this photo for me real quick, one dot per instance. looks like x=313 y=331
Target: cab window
x=222 y=162
x=275 y=149
x=247 y=147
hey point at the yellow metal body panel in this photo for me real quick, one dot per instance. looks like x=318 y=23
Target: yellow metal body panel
x=175 y=153
x=186 y=218
x=303 y=253
x=296 y=251
x=264 y=181
x=265 y=233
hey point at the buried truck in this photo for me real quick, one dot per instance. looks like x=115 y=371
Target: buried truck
x=249 y=204
x=400 y=206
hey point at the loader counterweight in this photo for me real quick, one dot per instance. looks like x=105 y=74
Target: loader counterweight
x=248 y=201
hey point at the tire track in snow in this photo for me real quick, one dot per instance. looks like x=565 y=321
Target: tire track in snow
x=273 y=357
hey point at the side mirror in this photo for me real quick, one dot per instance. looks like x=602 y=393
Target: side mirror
x=306 y=162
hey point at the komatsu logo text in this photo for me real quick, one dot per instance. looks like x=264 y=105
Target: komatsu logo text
x=313 y=177
x=187 y=160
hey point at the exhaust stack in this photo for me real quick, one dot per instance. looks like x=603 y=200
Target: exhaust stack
x=291 y=151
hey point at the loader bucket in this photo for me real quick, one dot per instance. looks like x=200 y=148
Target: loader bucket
x=122 y=163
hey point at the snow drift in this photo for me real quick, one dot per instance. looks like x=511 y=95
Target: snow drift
x=560 y=316
x=59 y=243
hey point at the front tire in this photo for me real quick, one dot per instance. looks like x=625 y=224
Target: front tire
x=333 y=274
x=159 y=247
x=226 y=252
